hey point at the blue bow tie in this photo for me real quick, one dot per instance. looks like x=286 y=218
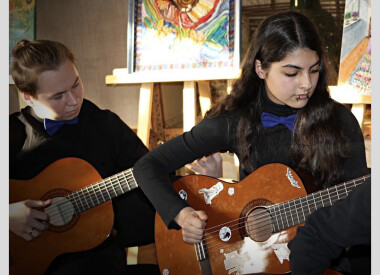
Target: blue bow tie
x=52 y=126
x=269 y=120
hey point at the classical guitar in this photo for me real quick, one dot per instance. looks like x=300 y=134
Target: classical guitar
x=75 y=223
x=249 y=223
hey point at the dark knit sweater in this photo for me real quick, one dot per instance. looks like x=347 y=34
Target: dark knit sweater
x=102 y=139
x=219 y=134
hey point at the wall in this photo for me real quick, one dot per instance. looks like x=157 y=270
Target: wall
x=96 y=31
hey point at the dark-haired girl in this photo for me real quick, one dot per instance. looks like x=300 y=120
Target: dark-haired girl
x=279 y=111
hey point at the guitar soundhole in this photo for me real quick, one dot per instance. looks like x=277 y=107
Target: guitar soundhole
x=258 y=224
x=61 y=211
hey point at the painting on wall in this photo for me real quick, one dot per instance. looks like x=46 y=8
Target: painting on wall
x=355 y=66
x=183 y=34
x=21 y=23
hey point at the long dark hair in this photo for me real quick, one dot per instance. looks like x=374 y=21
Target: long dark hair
x=318 y=143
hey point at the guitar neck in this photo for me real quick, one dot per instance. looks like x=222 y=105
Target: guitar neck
x=295 y=211
x=102 y=191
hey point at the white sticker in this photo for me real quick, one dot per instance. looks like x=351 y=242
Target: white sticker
x=209 y=194
x=282 y=251
x=293 y=182
x=165 y=272
x=234 y=262
x=182 y=193
x=231 y=191
x=225 y=234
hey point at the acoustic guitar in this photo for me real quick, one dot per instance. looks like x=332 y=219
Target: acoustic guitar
x=75 y=223
x=249 y=223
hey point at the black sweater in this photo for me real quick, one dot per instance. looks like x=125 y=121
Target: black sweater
x=219 y=134
x=102 y=139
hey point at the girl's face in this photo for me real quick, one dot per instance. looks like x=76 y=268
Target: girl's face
x=59 y=93
x=292 y=80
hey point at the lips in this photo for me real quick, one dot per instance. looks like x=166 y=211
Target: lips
x=73 y=111
x=302 y=97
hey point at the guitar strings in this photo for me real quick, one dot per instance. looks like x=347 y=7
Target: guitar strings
x=263 y=218
x=85 y=197
x=69 y=205
x=258 y=219
x=214 y=243
x=211 y=247
x=211 y=237
x=270 y=207
x=100 y=191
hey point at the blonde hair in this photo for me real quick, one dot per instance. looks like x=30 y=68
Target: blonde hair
x=31 y=58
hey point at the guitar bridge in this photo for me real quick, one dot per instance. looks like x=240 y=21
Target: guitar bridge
x=202 y=257
x=201 y=250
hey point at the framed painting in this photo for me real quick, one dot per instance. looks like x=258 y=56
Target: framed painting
x=21 y=23
x=355 y=66
x=183 y=35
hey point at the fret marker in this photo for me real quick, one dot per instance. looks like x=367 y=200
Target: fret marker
x=209 y=194
x=293 y=182
x=225 y=234
x=165 y=271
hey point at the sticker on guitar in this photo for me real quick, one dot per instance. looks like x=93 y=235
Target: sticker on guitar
x=211 y=193
x=293 y=182
x=249 y=227
x=246 y=259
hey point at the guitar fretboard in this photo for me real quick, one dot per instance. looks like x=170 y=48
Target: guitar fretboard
x=102 y=191
x=295 y=211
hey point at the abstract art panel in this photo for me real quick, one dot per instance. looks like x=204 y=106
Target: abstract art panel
x=184 y=34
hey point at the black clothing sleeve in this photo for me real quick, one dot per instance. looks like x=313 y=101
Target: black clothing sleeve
x=329 y=230
x=152 y=171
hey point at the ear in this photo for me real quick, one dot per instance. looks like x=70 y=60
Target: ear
x=28 y=99
x=259 y=70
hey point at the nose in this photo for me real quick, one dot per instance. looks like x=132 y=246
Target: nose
x=72 y=98
x=305 y=82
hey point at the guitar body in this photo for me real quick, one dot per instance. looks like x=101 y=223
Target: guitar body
x=235 y=252
x=82 y=232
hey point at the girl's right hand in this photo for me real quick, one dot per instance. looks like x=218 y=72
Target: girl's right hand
x=193 y=224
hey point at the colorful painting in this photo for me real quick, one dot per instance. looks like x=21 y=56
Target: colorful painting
x=21 y=22
x=355 y=66
x=360 y=78
x=184 y=34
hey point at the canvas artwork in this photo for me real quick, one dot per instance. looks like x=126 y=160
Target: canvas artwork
x=184 y=34
x=355 y=67
x=21 y=22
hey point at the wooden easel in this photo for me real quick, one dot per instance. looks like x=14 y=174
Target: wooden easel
x=347 y=96
x=149 y=130
x=150 y=127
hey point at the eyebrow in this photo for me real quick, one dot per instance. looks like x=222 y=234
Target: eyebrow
x=62 y=92
x=299 y=68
